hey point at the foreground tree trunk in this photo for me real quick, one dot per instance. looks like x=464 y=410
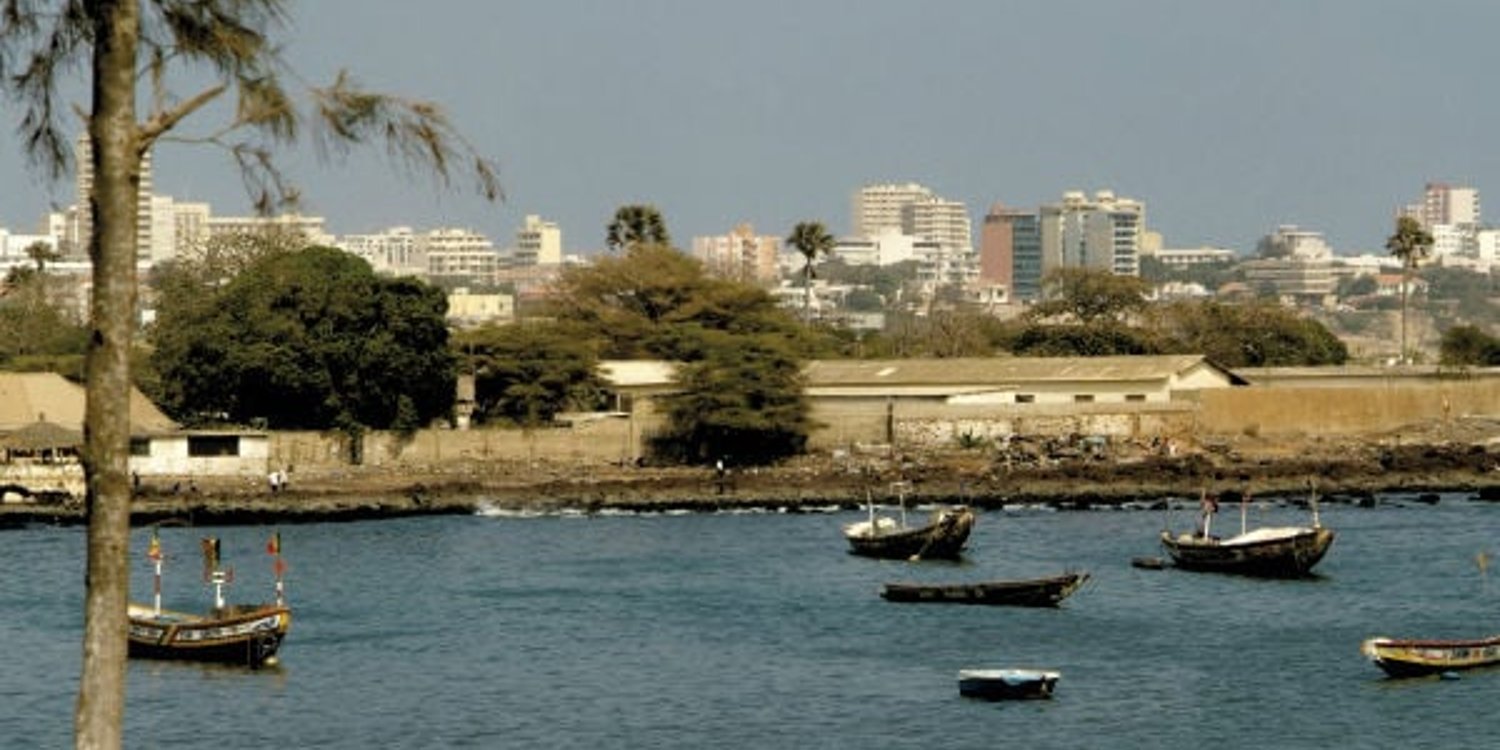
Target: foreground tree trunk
x=116 y=159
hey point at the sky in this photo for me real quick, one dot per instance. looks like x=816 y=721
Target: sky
x=1225 y=118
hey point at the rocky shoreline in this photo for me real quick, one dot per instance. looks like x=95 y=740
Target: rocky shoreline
x=1341 y=473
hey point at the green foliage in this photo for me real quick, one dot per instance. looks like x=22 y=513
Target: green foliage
x=306 y=340
x=743 y=400
x=636 y=225
x=1469 y=345
x=655 y=302
x=1254 y=335
x=34 y=327
x=1083 y=340
x=525 y=374
x=1088 y=296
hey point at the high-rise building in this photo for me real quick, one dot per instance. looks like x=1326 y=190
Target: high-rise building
x=1446 y=204
x=1103 y=232
x=75 y=245
x=997 y=245
x=741 y=255
x=877 y=209
x=538 y=243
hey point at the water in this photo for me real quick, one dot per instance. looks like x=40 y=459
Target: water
x=758 y=630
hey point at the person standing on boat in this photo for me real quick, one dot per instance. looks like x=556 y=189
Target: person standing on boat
x=1208 y=505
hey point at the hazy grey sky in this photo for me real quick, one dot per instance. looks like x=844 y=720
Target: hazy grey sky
x=1227 y=118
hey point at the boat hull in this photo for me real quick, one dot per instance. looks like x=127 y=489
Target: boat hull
x=1006 y=684
x=247 y=635
x=1289 y=556
x=943 y=539
x=1036 y=592
x=1418 y=658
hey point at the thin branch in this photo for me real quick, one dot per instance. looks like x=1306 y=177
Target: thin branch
x=163 y=121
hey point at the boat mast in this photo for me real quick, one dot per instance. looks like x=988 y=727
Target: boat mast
x=153 y=553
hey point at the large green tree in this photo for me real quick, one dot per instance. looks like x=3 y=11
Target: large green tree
x=737 y=350
x=742 y=401
x=308 y=340
x=653 y=302
x=119 y=45
x=525 y=374
x=1089 y=296
x=1411 y=243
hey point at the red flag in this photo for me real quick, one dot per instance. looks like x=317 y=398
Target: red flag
x=153 y=552
x=273 y=547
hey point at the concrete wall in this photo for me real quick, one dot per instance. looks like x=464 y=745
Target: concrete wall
x=1353 y=410
x=843 y=423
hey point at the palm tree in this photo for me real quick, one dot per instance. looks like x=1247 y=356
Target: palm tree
x=1411 y=244
x=636 y=224
x=812 y=240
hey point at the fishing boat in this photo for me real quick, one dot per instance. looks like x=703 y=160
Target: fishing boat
x=1417 y=658
x=1032 y=592
x=240 y=634
x=248 y=635
x=942 y=538
x=1279 y=551
x=1007 y=684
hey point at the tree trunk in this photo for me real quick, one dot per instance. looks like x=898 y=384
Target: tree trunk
x=100 y=711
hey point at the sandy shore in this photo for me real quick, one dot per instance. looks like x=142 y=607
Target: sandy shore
x=1343 y=472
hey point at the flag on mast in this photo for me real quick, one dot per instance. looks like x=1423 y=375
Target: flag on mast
x=210 y=556
x=273 y=547
x=153 y=552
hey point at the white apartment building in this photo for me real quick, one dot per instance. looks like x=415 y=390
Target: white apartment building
x=458 y=255
x=79 y=230
x=942 y=221
x=310 y=227
x=538 y=242
x=741 y=255
x=1290 y=241
x=1195 y=256
x=393 y=251
x=884 y=249
x=876 y=209
x=1103 y=232
x=1443 y=203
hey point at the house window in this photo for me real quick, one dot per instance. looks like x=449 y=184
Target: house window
x=1025 y=398
x=1135 y=397
x=205 y=446
x=140 y=446
x=1083 y=398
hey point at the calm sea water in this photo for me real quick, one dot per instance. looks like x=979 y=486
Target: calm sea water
x=758 y=630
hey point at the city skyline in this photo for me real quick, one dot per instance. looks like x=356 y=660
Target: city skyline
x=1226 y=121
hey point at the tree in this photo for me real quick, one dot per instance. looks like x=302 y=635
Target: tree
x=1088 y=296
x=1261 y=334
x=636 y=224
x=1411 y=244
x=525 y=374
x=308 y=340
x=1469 y=345
x=42 y=42
x=812 y=241
x=655 y=302
x=743 y=400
